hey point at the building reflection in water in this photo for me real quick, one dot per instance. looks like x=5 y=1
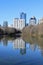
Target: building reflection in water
x=5 y=41
x=42 y=52
x=19 y=43
x=33 y=47
x=23 y=51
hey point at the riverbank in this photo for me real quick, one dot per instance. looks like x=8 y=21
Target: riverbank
x=33 y=30
x=9 y=31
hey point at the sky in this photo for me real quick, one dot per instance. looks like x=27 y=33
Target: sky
x=10 y=9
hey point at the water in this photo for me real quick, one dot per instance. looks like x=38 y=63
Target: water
x=16 y=51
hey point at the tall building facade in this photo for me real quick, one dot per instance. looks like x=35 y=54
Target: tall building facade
x=23 y=16
x=32 y=21
x=40 y=21
x=19 y=24
x=5 y=24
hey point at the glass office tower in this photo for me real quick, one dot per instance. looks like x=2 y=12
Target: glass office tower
x=23 y=16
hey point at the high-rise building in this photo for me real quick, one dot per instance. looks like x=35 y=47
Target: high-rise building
x=32 y=21
x=40 y=21
x=5 y=24
x=0 y=25
x=23 y=16
x=19 y=24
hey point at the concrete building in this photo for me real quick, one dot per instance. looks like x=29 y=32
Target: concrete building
x=19 y=24
x=23 y=16
x=40 y=21
x=32 y=21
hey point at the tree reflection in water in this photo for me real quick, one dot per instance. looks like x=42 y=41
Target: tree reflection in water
x=19 y=43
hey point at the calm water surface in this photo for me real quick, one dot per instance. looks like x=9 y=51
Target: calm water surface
x=18 y=52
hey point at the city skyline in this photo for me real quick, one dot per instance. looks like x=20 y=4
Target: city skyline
x=10 y=9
